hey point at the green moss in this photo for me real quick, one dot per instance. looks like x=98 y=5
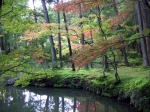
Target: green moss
x=131 y=77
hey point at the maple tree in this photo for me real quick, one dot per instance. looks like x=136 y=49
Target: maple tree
x=73 y=6
x=79 y=4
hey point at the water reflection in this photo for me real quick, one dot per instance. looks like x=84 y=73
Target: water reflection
x=58 y=100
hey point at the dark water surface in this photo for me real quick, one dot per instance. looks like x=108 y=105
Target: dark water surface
x=36 y=99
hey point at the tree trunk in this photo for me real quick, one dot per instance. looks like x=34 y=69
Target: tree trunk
x=69 y=43
x=45 y=60
x=123 y=49
x=74 y=106
x=125 y=56
x=63 y=104
x=116 y=75
x=82 y=34
x=35 y=17
x=145 y=13
x=104 y=58
x=142 y=40
x=3 y=41
x=59 y=40
x=42 y=45
x=47 y=104
x=80 y=16
x=56 y=106
x=115 y=7
x=104 y=62
x=53 y=52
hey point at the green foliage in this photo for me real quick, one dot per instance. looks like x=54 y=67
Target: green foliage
x=14 y=16
x=146 y=32
x=133 y=37
x=82 y=20
x=36 y=75
x=134 y=58
x=20 y=61
x=3 y=93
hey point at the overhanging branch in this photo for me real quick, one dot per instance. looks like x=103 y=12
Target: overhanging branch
x=21 y=63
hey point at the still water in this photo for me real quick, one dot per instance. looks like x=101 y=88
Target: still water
x=35 y=99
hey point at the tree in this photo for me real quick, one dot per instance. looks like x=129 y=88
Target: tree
x=104 y=57
x=100 y=47
x=59 y=39
x=3 y=41
x=123 y=49
x=142 y=39
x=68 y=40
x=79 y=7
x=53 y=52
x=145 y=15
x=12 y=23
x=41 y=42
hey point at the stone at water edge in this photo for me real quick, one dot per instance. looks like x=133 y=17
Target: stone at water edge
x=11 y=81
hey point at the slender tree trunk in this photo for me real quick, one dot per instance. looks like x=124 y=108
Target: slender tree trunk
x=142 y=40
x=67 y=33
x=35 y=19
x=69 y=43
x=115 y=66
x=75 y=101
x=123 y=49
x=47 y=104
x=53 y=52
x=59 y=40
x=3 y=41
x=63 y=104
x=34 y=13
x=80 y=16
x=104 y=57
x=115 y=7
x=82 y=34
x=45 y=60
x=56 y=106
x=145 y=13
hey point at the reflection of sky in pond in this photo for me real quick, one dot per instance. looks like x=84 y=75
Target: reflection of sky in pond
x=42 y=98
x=58 y=100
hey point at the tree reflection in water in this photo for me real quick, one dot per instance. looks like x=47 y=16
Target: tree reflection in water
x=58 y=100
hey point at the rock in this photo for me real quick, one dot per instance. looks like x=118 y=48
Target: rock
x=11 y=81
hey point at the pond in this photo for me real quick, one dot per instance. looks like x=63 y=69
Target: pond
x=36 y=99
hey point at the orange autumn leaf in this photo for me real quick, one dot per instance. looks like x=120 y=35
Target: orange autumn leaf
x=40 y=60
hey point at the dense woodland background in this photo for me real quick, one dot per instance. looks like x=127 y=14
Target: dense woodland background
x=75 y=34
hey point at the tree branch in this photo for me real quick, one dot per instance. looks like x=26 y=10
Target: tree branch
x=8 y=11
x=21 y=63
